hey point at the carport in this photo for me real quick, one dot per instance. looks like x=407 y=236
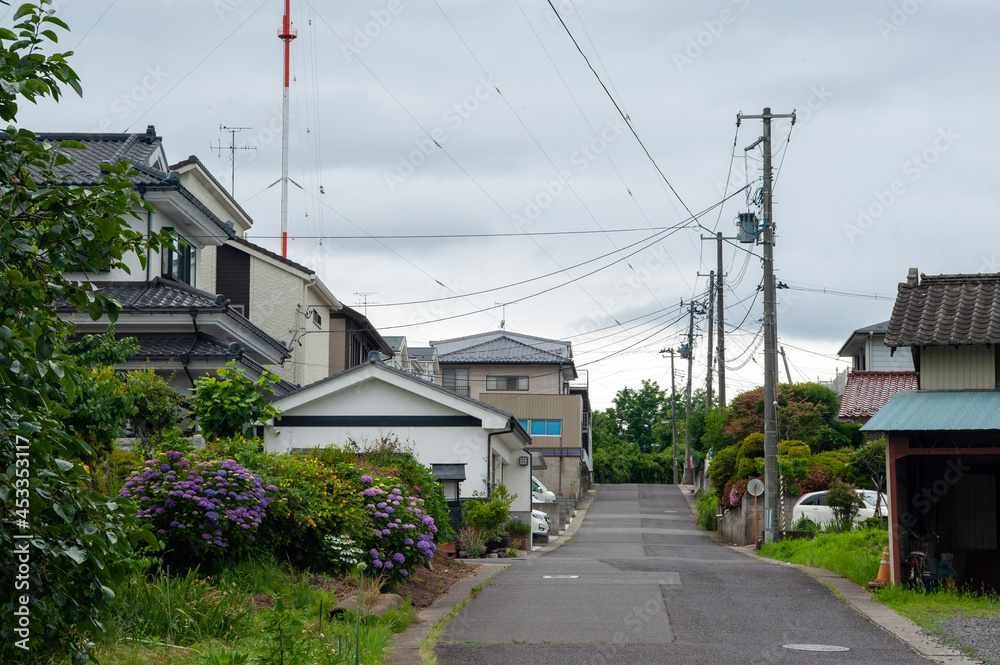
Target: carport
x=943 y=467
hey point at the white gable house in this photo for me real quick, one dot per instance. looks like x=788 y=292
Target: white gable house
x=446 y=431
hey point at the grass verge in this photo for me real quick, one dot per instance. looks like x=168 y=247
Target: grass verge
x=856 y=556
x=427 y=644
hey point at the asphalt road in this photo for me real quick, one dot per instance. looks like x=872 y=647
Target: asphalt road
x=640 y=583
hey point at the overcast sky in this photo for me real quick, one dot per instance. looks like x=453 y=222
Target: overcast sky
x=891 y=164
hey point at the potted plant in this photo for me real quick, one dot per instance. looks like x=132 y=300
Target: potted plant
x=473 y=541
x=489 y=516
x=518 y=532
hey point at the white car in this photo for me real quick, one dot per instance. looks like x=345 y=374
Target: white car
x=813 y=505
x=540 y=494
x=540 y=523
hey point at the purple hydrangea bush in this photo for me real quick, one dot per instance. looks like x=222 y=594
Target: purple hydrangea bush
x=216 y=504
x=402 y=533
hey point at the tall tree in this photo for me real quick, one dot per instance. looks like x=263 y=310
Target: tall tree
x=72 y=545
x=636 y=412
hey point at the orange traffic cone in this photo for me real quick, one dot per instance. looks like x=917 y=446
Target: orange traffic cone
x=883 y=572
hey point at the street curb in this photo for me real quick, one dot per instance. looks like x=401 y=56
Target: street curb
x=405 y=647
x=567 y=535
x=924 y=643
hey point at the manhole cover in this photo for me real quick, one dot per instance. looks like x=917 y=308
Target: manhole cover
x=560 y=577
x=814 y=647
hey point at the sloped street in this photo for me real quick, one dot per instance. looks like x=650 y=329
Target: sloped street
x=640 y=583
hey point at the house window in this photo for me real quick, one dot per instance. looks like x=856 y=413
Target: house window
x=179 y=264
x=456 y=380
x=542 y=427
x=506 y=383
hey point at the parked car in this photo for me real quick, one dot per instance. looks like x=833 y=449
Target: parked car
x=540 y=494
x=540 y=524
x=813 y=505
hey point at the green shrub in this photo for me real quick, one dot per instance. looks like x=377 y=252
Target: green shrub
x=515 y=527
x=752 y=446
x=794 y=449
x=708 y=507
x=845 y=503
x=489 y=515
x=722 y=469
x=805 y=524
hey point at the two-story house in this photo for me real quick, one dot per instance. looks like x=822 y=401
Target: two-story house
x=218 y=297
x=877 y=373
x=536 y=380
x=420 y=361
x=183 y=328
x=943 y=453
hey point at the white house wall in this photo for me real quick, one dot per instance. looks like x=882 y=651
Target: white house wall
x=881 y=359
x=274 y=292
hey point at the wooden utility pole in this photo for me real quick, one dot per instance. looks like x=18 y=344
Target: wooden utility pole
x=722 y=328
x=788 y=372
x=770 y=336
x=688 y=471
x=711 y=330
x=673 y=411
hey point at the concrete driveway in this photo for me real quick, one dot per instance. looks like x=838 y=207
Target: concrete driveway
x=640 y=583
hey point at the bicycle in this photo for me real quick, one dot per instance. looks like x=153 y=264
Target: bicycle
x=916 y=574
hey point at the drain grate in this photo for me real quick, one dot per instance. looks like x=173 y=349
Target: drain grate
x=815 y=647
x=560 y=577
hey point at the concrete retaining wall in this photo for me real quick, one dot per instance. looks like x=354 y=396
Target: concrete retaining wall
x=737 y=524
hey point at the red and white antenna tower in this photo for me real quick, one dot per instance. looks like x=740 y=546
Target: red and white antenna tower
x=287 y=34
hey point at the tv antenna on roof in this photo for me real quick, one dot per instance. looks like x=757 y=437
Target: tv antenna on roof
x=232 y=148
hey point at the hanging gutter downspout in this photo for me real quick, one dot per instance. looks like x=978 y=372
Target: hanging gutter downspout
x=489 y=455
x=149 y=230
x=186 y=358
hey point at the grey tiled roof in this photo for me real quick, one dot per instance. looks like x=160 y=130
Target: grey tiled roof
x=273 y=255
x=166 y=295
x=420 y=352
x=113 y=148
x=946 y=310
x=200 y=346
x=503 y=349
x=110 y=149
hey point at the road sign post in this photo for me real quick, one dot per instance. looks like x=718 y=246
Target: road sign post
x=756 y=488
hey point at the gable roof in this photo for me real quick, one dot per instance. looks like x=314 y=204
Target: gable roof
x=946 y=310
x=867 y=331
x=867 y=392
x=503 y=349
x=138 y=150
x=193 y=160
x=379 y=366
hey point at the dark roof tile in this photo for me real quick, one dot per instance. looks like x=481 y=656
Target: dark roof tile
x=946 y=310
x=867 y=392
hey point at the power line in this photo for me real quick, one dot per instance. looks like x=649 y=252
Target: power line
x=618 y=108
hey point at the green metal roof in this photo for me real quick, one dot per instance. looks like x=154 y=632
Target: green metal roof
x=938 y=410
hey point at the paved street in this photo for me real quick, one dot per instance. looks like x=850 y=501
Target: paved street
x=640 y=583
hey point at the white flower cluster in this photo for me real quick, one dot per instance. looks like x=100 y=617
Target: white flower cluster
x=343 y=548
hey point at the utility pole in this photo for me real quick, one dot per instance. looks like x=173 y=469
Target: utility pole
x=689 y=354
x=286 y=35
x=770 y=336
x=722 y=328
x=673 y=411
x=232 y=148
x=711 y=309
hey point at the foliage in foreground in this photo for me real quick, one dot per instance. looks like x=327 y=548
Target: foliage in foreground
x=80 y=541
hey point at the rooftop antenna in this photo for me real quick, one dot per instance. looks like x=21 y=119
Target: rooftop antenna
x=287 y=34
x=364 y=299
x=503 y=314
x=232 y=148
